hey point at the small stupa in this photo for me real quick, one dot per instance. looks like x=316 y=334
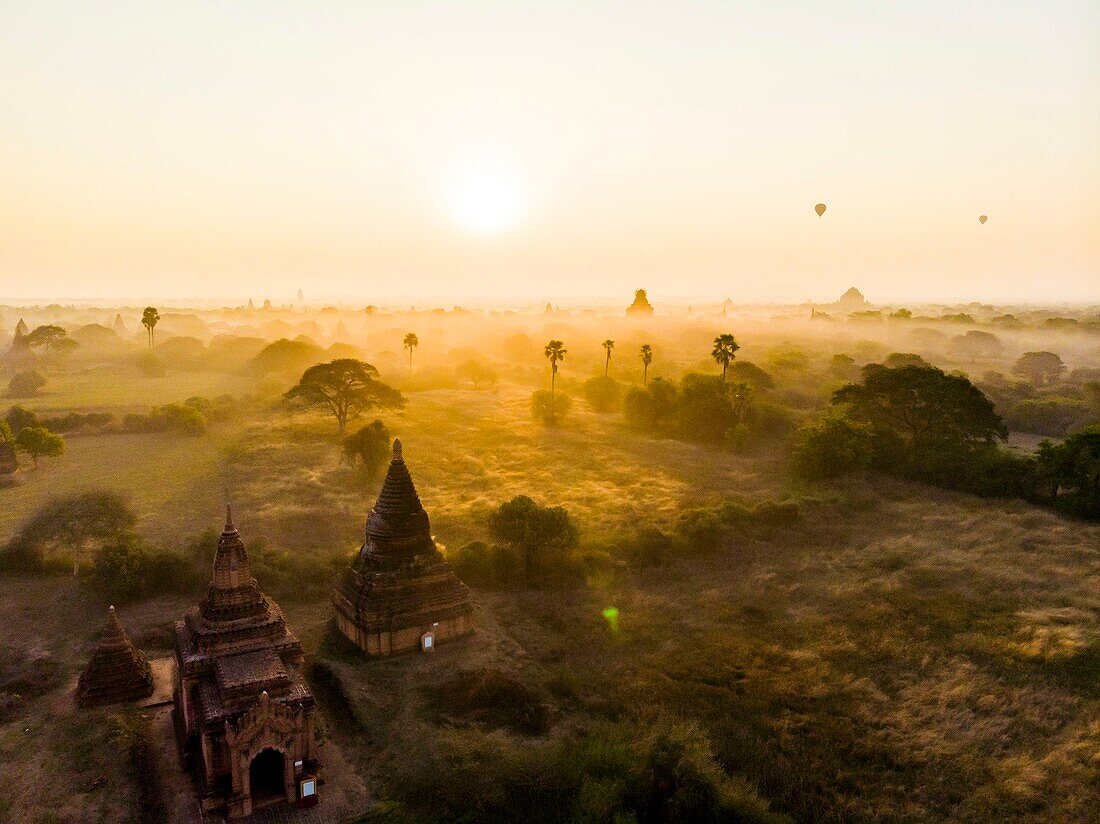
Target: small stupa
x=641 y=306
x=117 y=672
x=400 y=594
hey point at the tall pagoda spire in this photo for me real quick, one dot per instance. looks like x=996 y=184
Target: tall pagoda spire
x=398 y=524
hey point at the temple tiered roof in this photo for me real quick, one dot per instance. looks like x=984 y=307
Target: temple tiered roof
x=117 y=671
x=399 y=586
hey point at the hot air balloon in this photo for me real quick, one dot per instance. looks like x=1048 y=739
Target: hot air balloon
x=982 y=219
x=820 y=209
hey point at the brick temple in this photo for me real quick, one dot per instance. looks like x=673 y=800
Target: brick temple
x=399 y=593
x=117 y=671
x=244 y=716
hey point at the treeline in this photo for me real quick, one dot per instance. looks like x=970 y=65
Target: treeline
x=918 y=422
x=92 y=534
x=532 y=545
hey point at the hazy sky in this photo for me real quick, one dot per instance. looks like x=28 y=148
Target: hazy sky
x=496 y=151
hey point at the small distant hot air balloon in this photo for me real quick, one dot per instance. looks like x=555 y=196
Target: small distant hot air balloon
x=820 y=209
x=983 y=218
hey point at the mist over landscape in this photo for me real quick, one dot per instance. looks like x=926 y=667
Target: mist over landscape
x=560 y=412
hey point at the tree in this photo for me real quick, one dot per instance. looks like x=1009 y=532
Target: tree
x=723 y=353
x=653 y=407
x=410 y=343
x=39 y=442
x=371 y=445
x=345 y=387
x=832 y=446
x=555 y=353
x=1039 y=367
x=548 y=408
x=477 y=373
x=603 y=393
x=542 y=535
x=286 y=356
x=1071 y=471
x=74 y=524
x=923 y=409
x=8 y=462
x=26 y=384
x=149 y=319
x=607 y=345
x=976 y=344
x=647 y=359
x=53 y=339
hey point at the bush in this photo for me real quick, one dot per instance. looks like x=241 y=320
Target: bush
x=26 y=384
x=479 y=564
x=126 y=570
x=613 y=773
x=68 y=525
x=371 y=445
x=604 y=394
x=543 y=536
x=182 y=419
x=831 y=447
x=150 y=365
x=550 y=408
x=491 y=699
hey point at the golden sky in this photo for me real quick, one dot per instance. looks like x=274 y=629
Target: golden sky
x=491 y=152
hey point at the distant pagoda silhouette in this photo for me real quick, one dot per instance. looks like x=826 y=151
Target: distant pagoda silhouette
x=641 y=306
x=117 y=670
x=399 y=593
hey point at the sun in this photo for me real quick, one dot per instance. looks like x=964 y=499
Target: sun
x=485 y=198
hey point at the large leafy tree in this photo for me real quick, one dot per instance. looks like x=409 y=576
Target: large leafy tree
x=72 y=524
x=371 y=445
x=51 y=338
x=725 y=347
x=1039 y=367
x=542 y=535
x=345 y=387
x=149 y=319
x=411 y=342
x=923 y=408
x=39 y=442
x=1071 y=471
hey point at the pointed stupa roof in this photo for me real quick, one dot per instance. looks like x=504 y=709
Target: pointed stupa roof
x=117 y=671
x=233 y=591
x=398 y=524
x=21 y=328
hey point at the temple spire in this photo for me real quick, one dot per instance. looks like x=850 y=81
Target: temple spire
x=229 y=525
x=397 y=450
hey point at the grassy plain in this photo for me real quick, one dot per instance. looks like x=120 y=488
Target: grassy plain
x=897 y=653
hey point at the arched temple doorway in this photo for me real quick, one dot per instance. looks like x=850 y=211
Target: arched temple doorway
x=266 y=778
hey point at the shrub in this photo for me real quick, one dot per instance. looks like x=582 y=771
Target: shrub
x=371 y=445
x=26 y=384
x=150 y=365
x=39 y=442
x=480 y=564
x=492 y=699
x=604 y=393
x=550 y=408
x=831 y=447
x=544 y=536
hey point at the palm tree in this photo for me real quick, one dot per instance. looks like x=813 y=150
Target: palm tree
x=555 y=353
x=647 y=359
x=411 y=342
x=149 y=320
x=607 y=345
x=724 y=347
